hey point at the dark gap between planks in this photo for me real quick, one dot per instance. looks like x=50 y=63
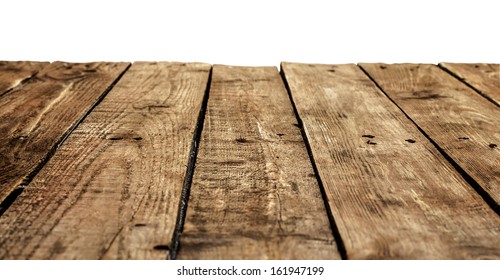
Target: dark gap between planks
x=188 y=178
x=4 y=205
x=331 y=219
x=9 y=200
x=482 y=94
x=475 y=185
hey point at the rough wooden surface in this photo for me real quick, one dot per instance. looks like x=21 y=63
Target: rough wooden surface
x=392 y=194
x=108 y=187
x=464 y=125
x=112 y=190
x=38 y=115
x=485 y=78
x=13 y=73
x=254 y=194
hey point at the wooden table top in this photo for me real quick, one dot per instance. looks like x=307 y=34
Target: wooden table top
x=169 y=160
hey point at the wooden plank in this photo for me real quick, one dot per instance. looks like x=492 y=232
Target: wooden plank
x=254 y=194
x=112 y=190
x=13 y=73
x=485 y=78
x=464 y=125
x=392 y=194
x=38 y=115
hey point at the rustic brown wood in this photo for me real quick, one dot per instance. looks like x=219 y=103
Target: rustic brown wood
x=485 y=78
x=13 y=73
x=462 y=123
x=38 y=115
x=254 y=194
x=112 y=190
x=392 y=194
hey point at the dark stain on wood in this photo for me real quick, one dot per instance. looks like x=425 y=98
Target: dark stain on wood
x=425 y=95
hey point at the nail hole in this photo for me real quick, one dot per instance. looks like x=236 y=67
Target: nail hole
x=140 y=225
x=115 y=138
x=331 y=70
x=161 y=247
x=89 y=70
x=137 y=138
x=410 y=141
x=369 y=142
x=383 y=67
x=241 y=140
x=492 y=145
x=296 y=124
x=280 y=134
x=368 y=136
x=463 y=138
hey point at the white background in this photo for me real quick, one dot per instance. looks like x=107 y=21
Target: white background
x=257 y=32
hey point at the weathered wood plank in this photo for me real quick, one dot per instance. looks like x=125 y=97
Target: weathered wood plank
x=13 y=73
x=391 y=192
x=464 y=125
x=112 y=190
x=38 y=115
x=485 y=78
x=254 y=194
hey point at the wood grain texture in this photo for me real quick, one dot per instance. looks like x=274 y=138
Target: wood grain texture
x=393 y=196
x=112 y=190
x=13 y=73
x=38 y=115
x=462 y=123
x=485 y=78
x=254 y=194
